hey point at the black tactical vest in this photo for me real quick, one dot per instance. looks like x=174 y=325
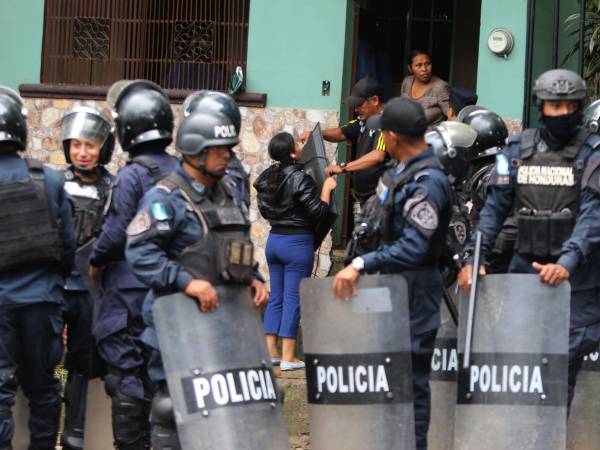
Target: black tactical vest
x=376 y=225
x=90 y=201
x=28 y=231
x=224 y=254
x=547 y=195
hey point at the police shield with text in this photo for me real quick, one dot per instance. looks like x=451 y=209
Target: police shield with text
x=407 y=221
x=37 y=247
x=190 y=243
x=144 y=126
x=551 y=177
x=358 y=375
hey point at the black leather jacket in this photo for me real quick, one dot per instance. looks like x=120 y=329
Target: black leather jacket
x=289 y=199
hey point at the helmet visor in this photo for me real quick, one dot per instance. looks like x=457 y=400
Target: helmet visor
x=457 y=134
x=85 y=126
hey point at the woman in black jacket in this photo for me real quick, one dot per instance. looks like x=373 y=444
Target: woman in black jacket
x=289 y=199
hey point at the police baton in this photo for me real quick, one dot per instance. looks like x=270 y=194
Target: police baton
x=472 y=294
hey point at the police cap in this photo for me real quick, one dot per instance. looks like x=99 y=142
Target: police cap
x=363 y=90
x=403 y=116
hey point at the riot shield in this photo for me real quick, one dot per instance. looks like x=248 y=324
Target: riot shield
x=20 y=412
x=219 y=373
x=583 y=432
x=442 y=382
x=513 y=395
x=315 y=161
x=358 y=365
x=98 y=424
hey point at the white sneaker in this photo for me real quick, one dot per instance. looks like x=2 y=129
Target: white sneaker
x=291 y=365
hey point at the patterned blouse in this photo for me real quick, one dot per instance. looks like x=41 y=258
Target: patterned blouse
x=434 y=101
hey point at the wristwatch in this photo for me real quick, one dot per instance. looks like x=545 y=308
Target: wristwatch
x=358 y=264
x=343 y=166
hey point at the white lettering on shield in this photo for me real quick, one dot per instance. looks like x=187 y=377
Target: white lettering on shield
x=350 y=379
x=444 y=360
x=234 y=387
x=506 y=379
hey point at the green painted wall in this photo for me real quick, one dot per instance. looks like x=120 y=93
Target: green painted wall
x=501 y=82
x=21 y=25
x=293 y=45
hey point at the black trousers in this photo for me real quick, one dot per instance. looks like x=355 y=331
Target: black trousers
x=30 y=349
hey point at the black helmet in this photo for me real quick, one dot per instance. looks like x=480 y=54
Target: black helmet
x=469 y=109
x=142 y=113
x=13 y=126
x=491 y=134
x=201 y=130
x=213 y=102
x=449 y=141
x=90 y=125
x=559 y=84
x=591 y=117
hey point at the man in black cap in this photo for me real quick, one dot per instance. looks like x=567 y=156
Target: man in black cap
x=369 y=150
x=459 y=98
x=407 y=223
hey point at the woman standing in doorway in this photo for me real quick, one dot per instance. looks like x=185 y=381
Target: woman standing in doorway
x=424 y=87
x=289 y=199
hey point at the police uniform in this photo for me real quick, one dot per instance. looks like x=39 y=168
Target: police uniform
x=415 y=205
x=119 y=323
x=178 y=235
x=556 y=196
x=36 y=252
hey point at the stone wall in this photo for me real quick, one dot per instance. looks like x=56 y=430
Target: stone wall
x=258 y=126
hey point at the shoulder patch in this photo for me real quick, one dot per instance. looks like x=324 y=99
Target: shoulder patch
x=159 y=211
x=140 y=224
x=424 y=216
x=502 y=165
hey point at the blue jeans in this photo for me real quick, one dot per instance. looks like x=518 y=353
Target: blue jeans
x=290 y=258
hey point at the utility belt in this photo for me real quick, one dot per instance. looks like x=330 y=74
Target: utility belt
x=542 y=233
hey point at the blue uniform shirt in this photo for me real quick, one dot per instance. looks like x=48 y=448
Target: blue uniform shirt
x=579 y=253
x=41 y=283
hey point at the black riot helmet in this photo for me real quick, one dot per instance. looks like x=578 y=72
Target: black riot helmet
x=450 y=141
x=559 y=84
x=213 y=102
x=591 y=117
x=491 y=134
x=13 y=125
x=469 y=109
x=88 y=124
x=199 y=131
x=142 y=113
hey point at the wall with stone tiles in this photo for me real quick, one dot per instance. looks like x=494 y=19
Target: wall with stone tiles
x=258 y=126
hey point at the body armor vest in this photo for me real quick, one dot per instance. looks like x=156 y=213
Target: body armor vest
x=90 y=201
x=224 y=254
x=376 y=225
x=547 y=195
x=28 y=231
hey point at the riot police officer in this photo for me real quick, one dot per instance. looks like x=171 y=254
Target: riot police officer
x=88 y=143
x=551 y=176
x=177 y=241
x=37 y=247
x=213 y=102
x=491 y=137
x=415 y=204
x=144 y=125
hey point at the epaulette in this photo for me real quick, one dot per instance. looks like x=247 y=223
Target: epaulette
x=167 y=185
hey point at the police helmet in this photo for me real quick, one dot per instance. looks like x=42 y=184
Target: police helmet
x=90 y=125
x=591 y=117
x=13 y=125
x=449 y=141
x=559 y=84
x=469 y=109
x=491 y=134
x=201 y=130
x=142 y=113
x=213 y=102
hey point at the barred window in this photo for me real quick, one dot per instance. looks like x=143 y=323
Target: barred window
x=183 y=44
